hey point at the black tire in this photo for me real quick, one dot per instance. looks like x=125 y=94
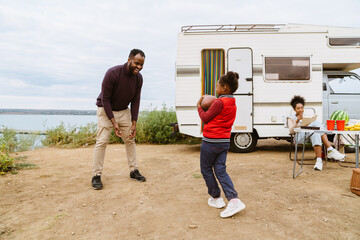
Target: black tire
x=243 y=142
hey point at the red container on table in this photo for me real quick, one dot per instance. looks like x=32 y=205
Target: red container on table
x=330 y=124
x=340 y=124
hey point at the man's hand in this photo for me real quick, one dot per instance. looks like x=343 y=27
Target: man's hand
x=117 y=131
x=133 y=130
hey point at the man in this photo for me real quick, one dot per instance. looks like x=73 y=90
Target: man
x=121 y=86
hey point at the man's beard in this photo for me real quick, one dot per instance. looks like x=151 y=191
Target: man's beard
x=131 y=69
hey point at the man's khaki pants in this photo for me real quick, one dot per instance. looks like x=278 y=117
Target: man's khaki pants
x=104 y=129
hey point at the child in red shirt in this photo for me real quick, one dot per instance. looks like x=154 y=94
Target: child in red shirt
x=218 y=121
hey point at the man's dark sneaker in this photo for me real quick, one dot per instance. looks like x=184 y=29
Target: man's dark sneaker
x=96 y=182
x=135 y=175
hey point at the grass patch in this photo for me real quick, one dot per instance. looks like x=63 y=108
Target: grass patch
x=197 y=175
x=18 y=142
x=24 y=165
x=52 y=220
x=153 y=126
x=71 y=136
x=11 y=164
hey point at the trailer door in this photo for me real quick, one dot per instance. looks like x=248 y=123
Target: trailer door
x=240 y=61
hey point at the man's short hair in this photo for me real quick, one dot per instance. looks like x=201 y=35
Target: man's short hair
x=136 y=51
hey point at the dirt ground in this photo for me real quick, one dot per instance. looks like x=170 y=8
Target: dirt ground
x=56 y=200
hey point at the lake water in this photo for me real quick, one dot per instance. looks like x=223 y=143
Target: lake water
x=43 y=122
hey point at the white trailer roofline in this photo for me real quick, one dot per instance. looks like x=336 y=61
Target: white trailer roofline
x=232 y=28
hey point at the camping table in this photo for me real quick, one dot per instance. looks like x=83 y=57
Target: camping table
x=311 y=132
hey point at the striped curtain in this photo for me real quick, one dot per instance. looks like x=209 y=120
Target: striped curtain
x=213 y=66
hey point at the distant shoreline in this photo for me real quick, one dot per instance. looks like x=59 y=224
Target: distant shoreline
x=45 y=112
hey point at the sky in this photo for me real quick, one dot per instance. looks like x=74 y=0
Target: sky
x=54 y=54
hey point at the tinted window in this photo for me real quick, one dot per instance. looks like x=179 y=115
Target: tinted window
x=287 y=68
x=344 y=84
x=344 y=42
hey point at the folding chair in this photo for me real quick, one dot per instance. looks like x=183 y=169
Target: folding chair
x=307 y=111
x=307 y=144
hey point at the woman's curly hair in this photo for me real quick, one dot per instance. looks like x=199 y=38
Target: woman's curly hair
x=297 y=99
x=230 y=79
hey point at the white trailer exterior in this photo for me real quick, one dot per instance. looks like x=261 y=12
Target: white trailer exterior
x=257 y=53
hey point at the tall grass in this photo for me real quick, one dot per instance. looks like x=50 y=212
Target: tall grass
x=17 y=143
x=153 y=126
x=11 y=142
x=71 y=136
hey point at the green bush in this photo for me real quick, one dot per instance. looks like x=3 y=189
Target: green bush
x=70 y=137
x=26 y=142
x=10 y=164
x=17 y=143
x=153 y=126
x=9 y=140
x=6 y=162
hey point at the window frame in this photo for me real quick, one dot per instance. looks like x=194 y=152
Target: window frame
x=331 y=90
x=342 y=46
x=288 y=80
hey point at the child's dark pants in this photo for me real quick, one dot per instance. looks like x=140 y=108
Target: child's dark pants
x=213 y=159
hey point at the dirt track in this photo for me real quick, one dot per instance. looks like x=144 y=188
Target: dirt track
x=56 y=201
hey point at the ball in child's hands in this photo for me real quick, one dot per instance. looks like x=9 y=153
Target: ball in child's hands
x=207 y=101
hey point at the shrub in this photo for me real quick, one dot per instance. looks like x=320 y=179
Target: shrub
x=6 y=162
x=26 y=142
x=70 y=137
x=153 y=126
x=9 y=140
x=15 y=142
x=10 y=164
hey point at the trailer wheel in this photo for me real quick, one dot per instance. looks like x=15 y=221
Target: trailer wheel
x=243 y=142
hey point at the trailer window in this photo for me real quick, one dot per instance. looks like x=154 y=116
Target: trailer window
x=349 y=42
x=287 y=68
x=344 y=84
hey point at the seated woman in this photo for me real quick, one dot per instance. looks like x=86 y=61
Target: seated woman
x=298 y=103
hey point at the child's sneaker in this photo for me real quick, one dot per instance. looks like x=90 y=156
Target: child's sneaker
x=318 y=165
x=335 y=154
x=216 y=202
x=232 y=208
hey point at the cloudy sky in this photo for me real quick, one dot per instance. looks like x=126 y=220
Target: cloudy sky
x=54 y=53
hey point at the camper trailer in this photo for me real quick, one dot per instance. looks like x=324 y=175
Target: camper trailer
x=275 y=62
